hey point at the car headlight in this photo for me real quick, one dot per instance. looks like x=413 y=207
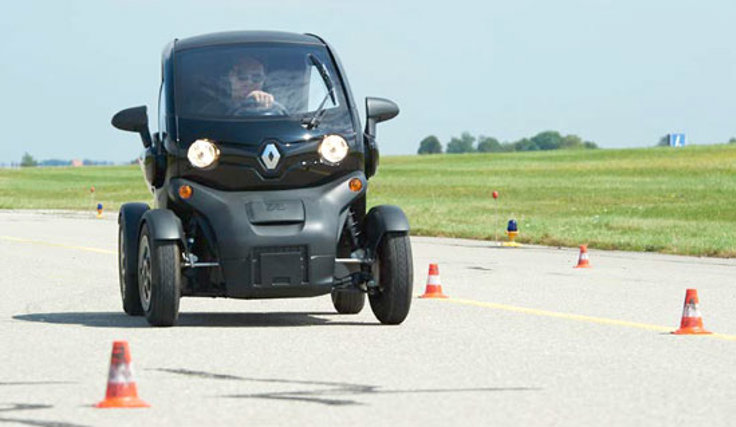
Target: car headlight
x=203 y=153
x=333 y=148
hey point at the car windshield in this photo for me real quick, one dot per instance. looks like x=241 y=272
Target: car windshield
x=255 y=81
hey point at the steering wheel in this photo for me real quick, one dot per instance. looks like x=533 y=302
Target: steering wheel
x=250 y=105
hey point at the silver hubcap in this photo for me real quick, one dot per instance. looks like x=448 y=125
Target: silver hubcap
x=144 y=273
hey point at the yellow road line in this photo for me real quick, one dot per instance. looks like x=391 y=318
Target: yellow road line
x=58 y=245
x=578 y=317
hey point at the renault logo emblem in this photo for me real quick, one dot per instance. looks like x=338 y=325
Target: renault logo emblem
x=270 y=156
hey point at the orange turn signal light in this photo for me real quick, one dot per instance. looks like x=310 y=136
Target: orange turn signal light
x=185 y=191
x=355 y=185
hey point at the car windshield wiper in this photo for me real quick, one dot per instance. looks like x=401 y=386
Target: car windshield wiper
x=313 y=121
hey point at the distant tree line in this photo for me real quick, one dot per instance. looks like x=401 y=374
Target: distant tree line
x=28 y=161
x=467 y=143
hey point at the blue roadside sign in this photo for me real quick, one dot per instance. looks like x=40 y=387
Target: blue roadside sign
x=677 y=139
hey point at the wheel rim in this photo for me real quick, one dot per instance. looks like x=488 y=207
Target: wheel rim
x=144 y=274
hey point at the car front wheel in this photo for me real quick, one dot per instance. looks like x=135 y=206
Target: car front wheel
x=159 y=279
x=391 y=301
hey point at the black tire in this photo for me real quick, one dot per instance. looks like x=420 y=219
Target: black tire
x=159 y=279
x=392 y=301
x=348 y=301
x=128 y=271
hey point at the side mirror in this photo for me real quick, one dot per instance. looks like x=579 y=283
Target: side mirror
x=378 y=110
x=134 y=120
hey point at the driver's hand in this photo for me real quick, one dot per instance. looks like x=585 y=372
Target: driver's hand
x=263 y=99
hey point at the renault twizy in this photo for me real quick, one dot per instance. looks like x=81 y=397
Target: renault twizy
x=259 y=172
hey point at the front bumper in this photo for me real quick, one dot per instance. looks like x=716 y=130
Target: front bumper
x=275 y=244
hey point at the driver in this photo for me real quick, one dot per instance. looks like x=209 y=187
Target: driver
x=245 y=80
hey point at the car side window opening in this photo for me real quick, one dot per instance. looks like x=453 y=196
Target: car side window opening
x=317 y=91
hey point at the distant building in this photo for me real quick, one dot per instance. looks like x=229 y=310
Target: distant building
x=77 y=163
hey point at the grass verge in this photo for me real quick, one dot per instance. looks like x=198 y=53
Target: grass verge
x=678 y=201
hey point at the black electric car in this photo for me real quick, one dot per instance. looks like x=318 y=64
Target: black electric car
x=259 y=172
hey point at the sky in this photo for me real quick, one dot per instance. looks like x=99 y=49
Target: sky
x=620 y=73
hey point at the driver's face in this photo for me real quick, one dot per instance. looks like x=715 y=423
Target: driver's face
x=245 y=78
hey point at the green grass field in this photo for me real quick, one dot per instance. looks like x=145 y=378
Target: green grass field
x=679 y=201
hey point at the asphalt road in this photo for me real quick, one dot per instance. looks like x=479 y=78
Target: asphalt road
x=525 y=339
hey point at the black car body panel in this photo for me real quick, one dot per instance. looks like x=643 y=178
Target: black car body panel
x=241 y=144
x=275 y=243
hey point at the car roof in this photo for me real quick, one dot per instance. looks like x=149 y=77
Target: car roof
x=235 y=37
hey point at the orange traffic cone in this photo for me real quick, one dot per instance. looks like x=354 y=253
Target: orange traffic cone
x=583 y=261
x=434 y=288
x=121 y=389
x=691 y=323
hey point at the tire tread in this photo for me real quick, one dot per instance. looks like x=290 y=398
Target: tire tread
x=392 y=305
x=129 y=281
